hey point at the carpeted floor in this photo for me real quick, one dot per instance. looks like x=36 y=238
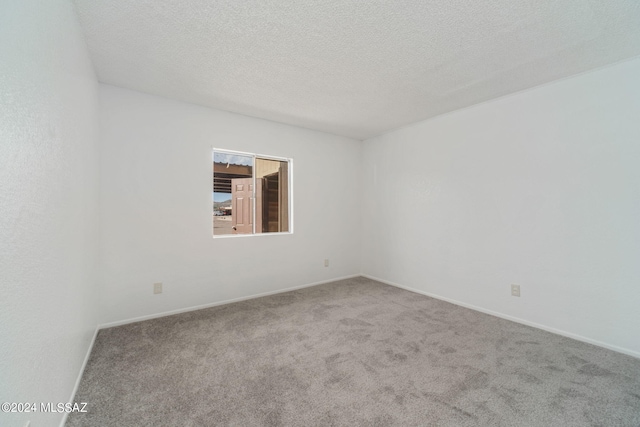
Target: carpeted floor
x=351 y=353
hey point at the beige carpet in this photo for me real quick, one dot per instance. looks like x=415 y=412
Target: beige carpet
x=351 y=353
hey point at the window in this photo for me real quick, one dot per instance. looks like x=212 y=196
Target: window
x=251 y=194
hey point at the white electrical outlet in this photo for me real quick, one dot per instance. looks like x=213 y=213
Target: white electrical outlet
x=515 y=290
x=157 y=288
x=326 y=263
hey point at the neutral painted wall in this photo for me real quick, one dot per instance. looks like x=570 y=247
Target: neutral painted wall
x=48 y=204
x=540 y=189
x=156 y=208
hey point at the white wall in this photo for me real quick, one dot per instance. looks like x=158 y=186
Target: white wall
x=156 y=209
x=540 y=189
x=48 y=204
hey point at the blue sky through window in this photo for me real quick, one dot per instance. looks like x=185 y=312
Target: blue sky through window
x=233 y=159
x=221 y=197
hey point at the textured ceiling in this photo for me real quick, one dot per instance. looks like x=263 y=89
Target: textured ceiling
x=351 y=67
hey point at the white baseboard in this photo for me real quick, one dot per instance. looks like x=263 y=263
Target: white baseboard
x=229 y=301
x=77 y=384
x=181 y=310
x=215 y=304
x=622 y=350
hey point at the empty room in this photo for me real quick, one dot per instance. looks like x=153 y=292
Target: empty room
x=332 y=213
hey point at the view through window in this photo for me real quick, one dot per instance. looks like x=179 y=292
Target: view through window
x=251 y=194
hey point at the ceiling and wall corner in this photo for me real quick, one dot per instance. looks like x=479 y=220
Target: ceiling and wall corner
x=349 y=67
x=140 y=127
x=539 y=189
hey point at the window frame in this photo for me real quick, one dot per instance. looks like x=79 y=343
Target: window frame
x=254 y=156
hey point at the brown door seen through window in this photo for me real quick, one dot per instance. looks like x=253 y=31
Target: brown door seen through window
x=242 y=205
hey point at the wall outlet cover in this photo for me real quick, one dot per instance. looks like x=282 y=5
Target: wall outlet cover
x=515 y=290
